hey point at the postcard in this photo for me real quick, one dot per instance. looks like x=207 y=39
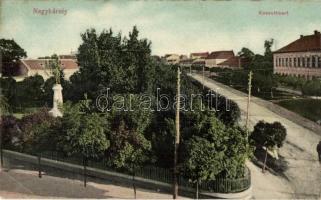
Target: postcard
x=160 y=99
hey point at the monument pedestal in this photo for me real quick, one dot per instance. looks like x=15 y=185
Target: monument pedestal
x=57 y=100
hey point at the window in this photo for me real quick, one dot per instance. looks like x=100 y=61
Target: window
x=290 y=62
x=308 y=62
x=319 y=61
x=303 y=62
x=286 y=62
x=313 y=61
x=294 y=61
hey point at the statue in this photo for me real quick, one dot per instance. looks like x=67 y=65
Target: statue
x=57 y=97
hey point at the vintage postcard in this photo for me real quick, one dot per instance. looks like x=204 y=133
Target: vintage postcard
x=160 y=99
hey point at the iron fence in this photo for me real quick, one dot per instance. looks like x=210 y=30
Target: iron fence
x=165 y=175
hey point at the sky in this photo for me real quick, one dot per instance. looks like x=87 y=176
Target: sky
x=172 y=26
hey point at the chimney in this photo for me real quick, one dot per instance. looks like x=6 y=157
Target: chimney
x=301 y=36
x=316 y=32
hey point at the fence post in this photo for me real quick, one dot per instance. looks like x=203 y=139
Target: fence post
x=39 y=165
x=85 y=171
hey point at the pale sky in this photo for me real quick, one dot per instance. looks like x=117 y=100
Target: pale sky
x=172 y=26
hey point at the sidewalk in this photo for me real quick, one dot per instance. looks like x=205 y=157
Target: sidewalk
x=21 y=183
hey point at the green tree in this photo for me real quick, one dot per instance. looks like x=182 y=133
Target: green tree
x=203 y=161
x=212 y=149
x=83 y=134
x=268 y=135
x=30 y=92
x=11 y=53
x=105 y=59
x=129 y=148
x=4 y=106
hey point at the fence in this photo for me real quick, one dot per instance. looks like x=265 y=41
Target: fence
x=220 y=185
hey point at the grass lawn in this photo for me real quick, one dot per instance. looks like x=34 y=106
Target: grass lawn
x=309 y=108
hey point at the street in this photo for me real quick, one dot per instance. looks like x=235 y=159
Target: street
x=302 y=179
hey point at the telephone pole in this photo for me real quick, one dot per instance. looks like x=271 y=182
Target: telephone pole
x=248 y=101
x=175 y=178
x=203 y=76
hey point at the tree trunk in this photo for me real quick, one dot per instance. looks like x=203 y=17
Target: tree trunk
x=263 y=169
x=39 y=165
x=85 y=171
x=197 y=184
x=134 y=186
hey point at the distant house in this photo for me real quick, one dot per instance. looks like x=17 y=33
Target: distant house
x=231 y=63
x=172 y=58
x=199 y=55
x=199 y=62
x=301 y=58
x=186 y=62
x=31 y=67
x=217 y=57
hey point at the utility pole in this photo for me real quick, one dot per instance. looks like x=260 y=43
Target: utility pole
x=248 y=102
x=175 y=183
x=203 y=76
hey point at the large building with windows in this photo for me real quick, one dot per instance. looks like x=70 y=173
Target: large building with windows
x=301 y=58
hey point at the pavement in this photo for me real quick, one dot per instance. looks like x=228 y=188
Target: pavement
x=24 y=183
x=302 y=179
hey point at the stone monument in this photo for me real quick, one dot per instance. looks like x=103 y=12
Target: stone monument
x=57 y=101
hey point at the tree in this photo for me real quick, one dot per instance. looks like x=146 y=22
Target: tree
x=129 y=148
x=30 y=91
x=29 y=128
x=83 y=134
x=4 y=106
x=11 y=53
x=267 y=45
x=268 y=135
x=213 y=150
x=9 y=132
x=105 y=59
x=203 y=161
x=9 y=91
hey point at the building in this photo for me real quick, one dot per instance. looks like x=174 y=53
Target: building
x=217 y=57
x=201 y=55
x=172 y=58
x=301 y=58
x=186 y=62
x=231 y=63
x=31 y=67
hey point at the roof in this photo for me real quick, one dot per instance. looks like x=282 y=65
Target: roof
x=232 y=62
x=186 y=61
x=200 y=54
x=303 y=44
x=69 y=56
x=168 y=55
x=39 y=64
x=199 y=62
x=221 y=55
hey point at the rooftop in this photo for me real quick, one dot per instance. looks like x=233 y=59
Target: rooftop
x=221 y=55
x=303 y=44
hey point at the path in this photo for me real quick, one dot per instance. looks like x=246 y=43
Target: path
x=23 y=183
